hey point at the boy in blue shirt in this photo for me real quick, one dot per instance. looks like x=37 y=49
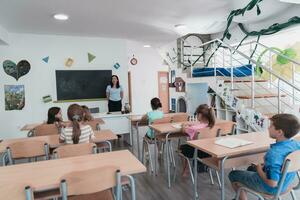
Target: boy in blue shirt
x=266 y=177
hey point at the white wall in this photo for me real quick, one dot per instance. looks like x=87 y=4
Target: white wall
x=40 y=81
x=144 y=75
x=3 y=36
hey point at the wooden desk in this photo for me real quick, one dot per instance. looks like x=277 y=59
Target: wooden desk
x=47 y=174
x=29 y=127
x=53 y=140
x=228 y=158
x=168 y=130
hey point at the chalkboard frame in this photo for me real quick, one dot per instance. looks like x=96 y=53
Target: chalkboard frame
x=58 y=76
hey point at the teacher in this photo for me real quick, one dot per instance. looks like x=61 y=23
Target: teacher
x=114 y=94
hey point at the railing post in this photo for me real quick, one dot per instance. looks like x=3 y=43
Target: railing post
x=223 y=58
x=279 y=97
x=270 y=67
x=214 y=60
x=252 y=87
x=293 y=81
x=231 y=70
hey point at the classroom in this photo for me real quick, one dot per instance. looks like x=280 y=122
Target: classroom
x=150 y=100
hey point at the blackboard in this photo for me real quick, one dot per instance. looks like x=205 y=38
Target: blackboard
x=82 y=84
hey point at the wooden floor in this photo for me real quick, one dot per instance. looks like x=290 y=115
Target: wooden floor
x=151 y=187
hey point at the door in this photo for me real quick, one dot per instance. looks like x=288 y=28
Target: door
x=163 y=90
x=196 y=94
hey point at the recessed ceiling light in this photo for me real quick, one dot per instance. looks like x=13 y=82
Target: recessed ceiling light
x=180 y=26
x=147 y=46
x=61 y=17
x=291 y=1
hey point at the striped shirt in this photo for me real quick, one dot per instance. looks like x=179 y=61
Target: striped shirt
x=85 y=136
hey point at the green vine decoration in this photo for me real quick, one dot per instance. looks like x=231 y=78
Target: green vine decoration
x=269 y=31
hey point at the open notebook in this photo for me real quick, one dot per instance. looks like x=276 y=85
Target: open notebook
x=177 y=125
x=232 y=142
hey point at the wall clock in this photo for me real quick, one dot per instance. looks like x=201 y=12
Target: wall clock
x=133 y=60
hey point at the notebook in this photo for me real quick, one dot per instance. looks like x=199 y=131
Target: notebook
x=232 y=142
x=177 y=125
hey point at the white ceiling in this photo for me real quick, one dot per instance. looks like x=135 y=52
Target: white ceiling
x=149 y=21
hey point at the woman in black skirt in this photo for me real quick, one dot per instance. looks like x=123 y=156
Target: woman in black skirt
x=114 y=93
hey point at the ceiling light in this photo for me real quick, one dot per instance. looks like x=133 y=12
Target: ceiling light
x=291 y=1
x=147 y=46
x=180 y=26
x=61 y=17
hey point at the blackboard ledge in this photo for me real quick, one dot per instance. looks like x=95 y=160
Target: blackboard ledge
x=79 y=100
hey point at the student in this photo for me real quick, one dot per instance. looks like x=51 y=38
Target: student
x=54 y=115
x=156 y=113
x=77 y=132
x=206 y=118
x=267 y=175
x=87 y=116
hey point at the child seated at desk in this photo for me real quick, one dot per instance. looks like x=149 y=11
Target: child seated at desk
x=77 y=132
x=265 y=177
x=55 y=117
x=206 y=118
x=87 y=116
x=151 y=116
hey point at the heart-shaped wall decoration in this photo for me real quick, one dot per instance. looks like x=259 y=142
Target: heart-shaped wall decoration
x=16 y=71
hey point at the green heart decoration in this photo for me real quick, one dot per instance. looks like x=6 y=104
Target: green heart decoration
x=16 y=71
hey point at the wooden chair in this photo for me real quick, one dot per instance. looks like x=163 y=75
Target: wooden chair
x=95 y=124
x=72 y=150
x=96 y=183
x=180 y=117
x=45 y=129
x=27 y=149
x=202 y=134
x=291 y=164
x=148 y=141
x=227 y=128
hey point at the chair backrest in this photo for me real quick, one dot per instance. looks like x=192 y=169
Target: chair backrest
x=27 y=149
x=71 y=150
x=90 y=181
x=294 y=161
x=291 y=164
x=209 y=132
x=46 y=129
x=163 y=120
x=226 y=127
x=180 y=117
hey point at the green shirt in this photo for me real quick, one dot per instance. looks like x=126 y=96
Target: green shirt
x=152 y=116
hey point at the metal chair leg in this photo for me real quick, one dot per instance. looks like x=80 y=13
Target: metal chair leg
x=143 y=149
x=190 y=169
x=218 y=178
x=293 y=195
x=150 y=157
x=172 y=155
x=210 y=176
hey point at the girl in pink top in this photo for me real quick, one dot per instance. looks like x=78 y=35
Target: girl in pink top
x=206 y=118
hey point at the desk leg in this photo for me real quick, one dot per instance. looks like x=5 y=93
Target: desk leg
x=223 y=178
x=155 y=154
x=195 y=173
x=168 y=159
x=130 y=135
x=138 y=140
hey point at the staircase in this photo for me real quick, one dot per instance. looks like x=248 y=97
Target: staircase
x=234 y=77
